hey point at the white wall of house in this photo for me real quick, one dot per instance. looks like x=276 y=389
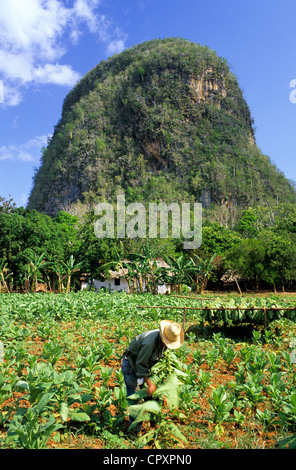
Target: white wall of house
x=118 y=285
x=112 y=284
x=163 y=289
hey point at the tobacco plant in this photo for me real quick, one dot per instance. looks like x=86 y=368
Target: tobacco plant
x=155 y=409
x=220 y=404
x=29 y=429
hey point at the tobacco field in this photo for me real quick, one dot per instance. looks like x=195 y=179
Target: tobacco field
x=231 y=385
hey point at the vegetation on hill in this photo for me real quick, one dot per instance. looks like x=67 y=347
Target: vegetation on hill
x=163 y=121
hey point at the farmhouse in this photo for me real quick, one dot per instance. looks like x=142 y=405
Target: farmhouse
x=122 y=280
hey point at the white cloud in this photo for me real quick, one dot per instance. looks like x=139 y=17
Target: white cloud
x=33 y=26
x=11 y=95
x=36 y=34
x=27 y=152
x=115 y=46
x=57 y=74
x=84 y=10
x=16 y=66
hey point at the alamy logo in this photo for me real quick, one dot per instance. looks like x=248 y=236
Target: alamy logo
x=1 y=92
x=133 y=221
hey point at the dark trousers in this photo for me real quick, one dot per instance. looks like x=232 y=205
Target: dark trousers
x=130 y=380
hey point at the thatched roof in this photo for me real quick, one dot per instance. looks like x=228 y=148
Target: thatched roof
x=230 y=276
x=118 y=274
x=160 y=262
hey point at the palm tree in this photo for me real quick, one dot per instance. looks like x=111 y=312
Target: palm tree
x=158 y=275
x=204 y=269
x=70 y=269
x=60 y=271
x=36 y=263
x=181 y=270
x=65 y=271
x=148 y=272
x=4 y=276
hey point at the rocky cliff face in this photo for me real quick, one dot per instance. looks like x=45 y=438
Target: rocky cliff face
x=208 y=87
x=165 y=120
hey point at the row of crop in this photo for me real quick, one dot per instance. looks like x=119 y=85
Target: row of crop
x=257 y=315
x=253 y=310
x=57 y=401
x=67 y=385
x=52 y=399
x=96 y=300
x=264 y=385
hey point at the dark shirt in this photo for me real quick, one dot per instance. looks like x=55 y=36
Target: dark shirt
x=145 y=350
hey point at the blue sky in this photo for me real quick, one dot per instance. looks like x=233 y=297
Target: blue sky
x=46 y=46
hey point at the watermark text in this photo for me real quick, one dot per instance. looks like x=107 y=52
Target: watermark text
x=159 y=219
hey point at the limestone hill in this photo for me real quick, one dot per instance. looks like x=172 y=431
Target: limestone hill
x=163 y=121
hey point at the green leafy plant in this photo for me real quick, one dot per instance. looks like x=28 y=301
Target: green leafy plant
x=189 y=398
x=87 y=359
x=106 y=373
x=257 y=363
x=29 y=429
x=238 y=418
x=287 y=443
x=7 y=381
x=229 y=354
x=198 y=357
x=257 y=336
x=275 y=390
x=52 y=351
x=288 y=412
x=211 y=357
x=220 y=404
x=204 y=380
x=267 y=418
x=253 y=389
x=274 y=362
x=167 y=366
x=155 y=410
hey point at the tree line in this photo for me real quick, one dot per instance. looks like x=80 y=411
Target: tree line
x=52 y=253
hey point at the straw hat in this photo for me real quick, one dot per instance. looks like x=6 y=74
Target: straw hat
x=171 y=334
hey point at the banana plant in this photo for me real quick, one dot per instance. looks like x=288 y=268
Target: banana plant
x=70 y=269
x=181 y=270
x=5 y=276
x=203 y=269
x=34 y=267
